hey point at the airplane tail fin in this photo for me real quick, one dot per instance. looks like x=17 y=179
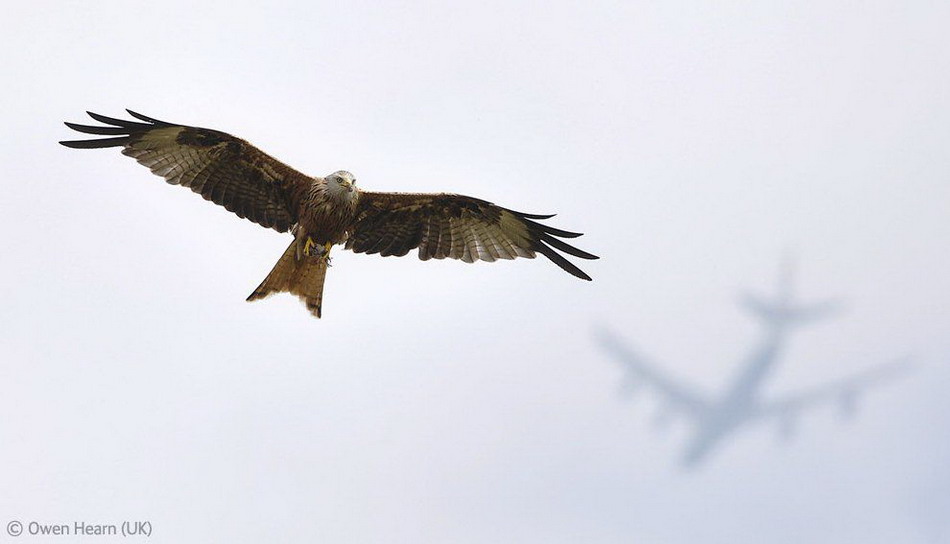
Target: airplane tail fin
x=782 y=313
x=781 y=310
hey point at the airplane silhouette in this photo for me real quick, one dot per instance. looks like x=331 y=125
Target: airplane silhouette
x=713 y=418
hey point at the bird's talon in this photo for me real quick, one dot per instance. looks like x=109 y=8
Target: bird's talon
x=308 y=247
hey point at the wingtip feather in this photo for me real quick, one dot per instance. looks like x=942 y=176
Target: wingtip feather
x=94 y=144
x=565 y=265
x=567 y=248
x=146 y=118
x=116 y=122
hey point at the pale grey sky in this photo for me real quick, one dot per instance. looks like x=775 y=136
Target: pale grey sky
x=694 y=143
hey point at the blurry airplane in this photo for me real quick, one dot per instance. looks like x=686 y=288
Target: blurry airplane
x=715 y=417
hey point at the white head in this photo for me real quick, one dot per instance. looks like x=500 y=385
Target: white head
x=341 y=184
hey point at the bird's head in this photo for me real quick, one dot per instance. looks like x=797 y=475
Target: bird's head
x=341 y=184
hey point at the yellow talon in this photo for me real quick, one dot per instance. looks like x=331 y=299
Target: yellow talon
x=309 y=248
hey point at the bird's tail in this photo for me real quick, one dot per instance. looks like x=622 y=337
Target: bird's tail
x=303 y=277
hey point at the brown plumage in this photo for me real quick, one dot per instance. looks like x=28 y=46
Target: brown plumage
x=322 y=212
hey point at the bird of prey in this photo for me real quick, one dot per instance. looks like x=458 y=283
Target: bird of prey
x=321 y=212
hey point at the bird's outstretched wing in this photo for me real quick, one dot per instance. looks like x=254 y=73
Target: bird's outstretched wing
x=457 y=227
x=221 y=168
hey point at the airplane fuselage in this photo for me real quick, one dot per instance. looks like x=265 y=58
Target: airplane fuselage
x=738 y=404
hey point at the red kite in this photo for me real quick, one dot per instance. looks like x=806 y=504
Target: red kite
x=323 y=211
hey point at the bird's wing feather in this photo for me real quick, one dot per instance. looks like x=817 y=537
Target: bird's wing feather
x=221 y=168
x=455 y=226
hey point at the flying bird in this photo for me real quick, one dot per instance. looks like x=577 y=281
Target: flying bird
x=321 y=212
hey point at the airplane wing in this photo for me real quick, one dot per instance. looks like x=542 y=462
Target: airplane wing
x=844 y=392
x=677 y=395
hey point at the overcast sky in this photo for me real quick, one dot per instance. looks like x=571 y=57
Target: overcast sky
x=695 y=145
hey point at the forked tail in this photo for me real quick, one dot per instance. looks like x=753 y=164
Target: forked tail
x=303 y=278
